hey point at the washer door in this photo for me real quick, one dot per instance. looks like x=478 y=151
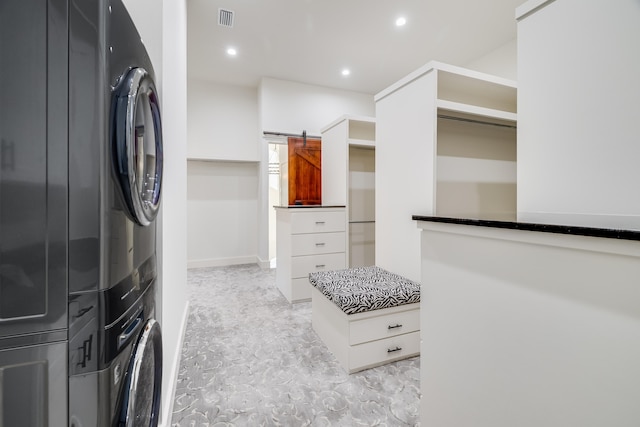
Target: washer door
x=137 y=145
x=143 y=383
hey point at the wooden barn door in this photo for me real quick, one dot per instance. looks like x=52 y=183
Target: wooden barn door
x=305 y=173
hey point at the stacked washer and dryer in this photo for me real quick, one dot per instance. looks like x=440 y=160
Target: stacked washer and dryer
x=80 y=181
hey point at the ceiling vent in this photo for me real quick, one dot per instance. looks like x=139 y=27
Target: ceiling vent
x=225 y=18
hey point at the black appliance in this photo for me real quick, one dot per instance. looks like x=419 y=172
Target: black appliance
x=115 y=171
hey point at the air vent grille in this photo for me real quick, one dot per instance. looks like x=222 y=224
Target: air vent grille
x=225 y=18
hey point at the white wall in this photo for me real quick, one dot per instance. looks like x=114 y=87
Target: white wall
x=162 y=26
x=578 y=108
x=222 y=205
x=502 y=61
x=223 y=121
x=293 y=107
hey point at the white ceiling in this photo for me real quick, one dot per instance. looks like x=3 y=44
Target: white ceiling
x=311 y=41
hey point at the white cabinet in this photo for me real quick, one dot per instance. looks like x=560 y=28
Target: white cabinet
x=348 y=178
x=364 y=340
x=445 y=146
x=309 y=239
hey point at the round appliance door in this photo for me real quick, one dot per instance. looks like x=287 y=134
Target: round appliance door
x=142 y=388
x=137 y=145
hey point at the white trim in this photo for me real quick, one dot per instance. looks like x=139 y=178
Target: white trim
x=345 y=117
x=169 y=396
x=571 y=241
x=264 y=264
x=530 y=7
x=435 y=65
x=222 y=262
x=614 y=222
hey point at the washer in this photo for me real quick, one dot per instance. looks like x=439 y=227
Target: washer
x=115 y=180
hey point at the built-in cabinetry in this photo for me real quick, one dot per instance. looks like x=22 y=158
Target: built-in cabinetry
x=445 y=145
x=308 y=239
x=524 y=316
x=348 y=178
x=363 y=340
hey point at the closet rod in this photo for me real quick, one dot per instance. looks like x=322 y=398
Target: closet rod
x=297 y=135
x=461 y=119
x=361 y=222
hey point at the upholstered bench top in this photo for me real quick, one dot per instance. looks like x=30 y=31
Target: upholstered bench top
x=361 y=289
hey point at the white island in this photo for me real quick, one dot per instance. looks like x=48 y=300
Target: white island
x=529 y=324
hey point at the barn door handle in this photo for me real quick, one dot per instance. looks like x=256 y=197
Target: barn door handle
x=392 y=350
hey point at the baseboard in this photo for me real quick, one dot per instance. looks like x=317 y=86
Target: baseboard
x=264 y=264
x=222 y=262
x=169 y=398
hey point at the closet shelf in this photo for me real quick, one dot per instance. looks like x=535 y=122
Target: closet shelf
x=219 y=160
x=365 y=143
x=473 y=110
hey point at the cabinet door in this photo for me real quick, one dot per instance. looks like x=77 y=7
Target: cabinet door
x=305 y=171
x=33 y=166
x=33 y=386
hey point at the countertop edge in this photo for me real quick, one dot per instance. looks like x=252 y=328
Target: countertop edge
x=538 y=227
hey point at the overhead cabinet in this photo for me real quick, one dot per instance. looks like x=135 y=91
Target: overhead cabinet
x=348 y=178
x=445 y=146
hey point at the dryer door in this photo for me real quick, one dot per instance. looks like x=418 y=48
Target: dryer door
x=141 y=397
x=137 y=145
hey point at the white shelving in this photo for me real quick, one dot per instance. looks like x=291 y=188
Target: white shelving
x=348 y=178
x=445 y=146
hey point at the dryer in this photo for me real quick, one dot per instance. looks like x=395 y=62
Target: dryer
x=115 y=172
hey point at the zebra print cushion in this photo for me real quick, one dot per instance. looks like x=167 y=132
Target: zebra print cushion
x=361 y=289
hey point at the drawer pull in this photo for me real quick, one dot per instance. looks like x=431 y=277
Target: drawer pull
x=320 y=244
x=320 y=265
x=397 y=325
x=319 y=222
x=392 y=350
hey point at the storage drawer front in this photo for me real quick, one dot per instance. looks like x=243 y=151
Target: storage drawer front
x=318 y=243
x=318 y=222
x=384 y=326
x=301 y=266
x=383 y=351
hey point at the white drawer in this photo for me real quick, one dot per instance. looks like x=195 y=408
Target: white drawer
x=384 y=326
x=383 y=351
x=318 y=243
x=318 y=222
x=300 y=289
x=301 y=266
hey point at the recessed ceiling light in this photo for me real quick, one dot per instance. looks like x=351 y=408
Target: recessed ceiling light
x=232 y=52
x=346 y=72
x=401 y=21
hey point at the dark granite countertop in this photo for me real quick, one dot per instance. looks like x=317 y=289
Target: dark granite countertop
x=307 y=206
x=544 y=228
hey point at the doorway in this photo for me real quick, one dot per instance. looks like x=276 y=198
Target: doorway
x=300 y=184
x=305 y=171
